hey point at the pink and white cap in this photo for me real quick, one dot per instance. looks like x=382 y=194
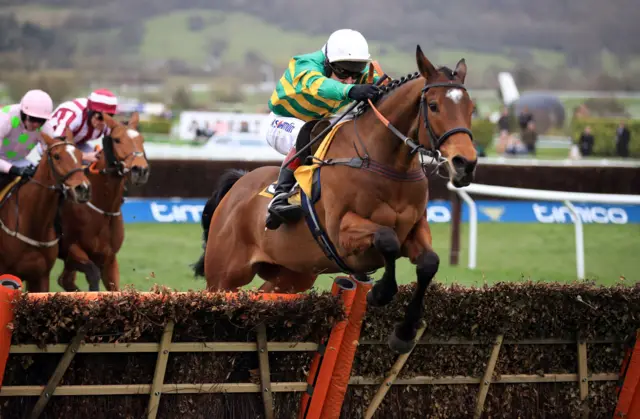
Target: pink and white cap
x=37 y=103
x=102 y=100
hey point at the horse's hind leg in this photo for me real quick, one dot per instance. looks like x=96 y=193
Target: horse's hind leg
x=67 y=279
x=282 y=280
x=227 y=268
x=357 y=233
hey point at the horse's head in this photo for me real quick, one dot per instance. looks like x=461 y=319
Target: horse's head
x=64 y=167
x=124 y=149
x=446 y=110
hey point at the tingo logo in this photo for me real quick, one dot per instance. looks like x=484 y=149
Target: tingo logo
x=438 y=214
x=176 y=213
x=589 y=214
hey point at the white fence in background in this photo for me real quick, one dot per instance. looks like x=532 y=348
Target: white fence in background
x=536 y=194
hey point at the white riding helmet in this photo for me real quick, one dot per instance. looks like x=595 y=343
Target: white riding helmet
x=347 y=45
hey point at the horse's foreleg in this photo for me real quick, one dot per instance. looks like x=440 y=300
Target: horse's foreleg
x=111 y=274
x=358 y=234
x=418 y=249
x=78 y=260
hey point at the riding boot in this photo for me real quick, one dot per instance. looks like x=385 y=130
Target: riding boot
x=280 y=210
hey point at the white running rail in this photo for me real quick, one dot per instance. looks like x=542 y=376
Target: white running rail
x=536 y=194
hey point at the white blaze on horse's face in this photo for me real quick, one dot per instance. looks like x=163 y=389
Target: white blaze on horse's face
x=132 y=133
x=70 y=149
x=455 y=95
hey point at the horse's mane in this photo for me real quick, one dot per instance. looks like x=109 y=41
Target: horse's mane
x=395 y=83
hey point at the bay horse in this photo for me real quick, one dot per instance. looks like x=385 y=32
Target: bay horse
x=93 y=233
x=29 y=240
x=372 y=206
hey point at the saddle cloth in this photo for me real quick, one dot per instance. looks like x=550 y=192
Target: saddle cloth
x=304 y=174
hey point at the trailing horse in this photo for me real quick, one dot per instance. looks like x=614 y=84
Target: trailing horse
x=28 y=240
x=94 y=232
x=365 y=199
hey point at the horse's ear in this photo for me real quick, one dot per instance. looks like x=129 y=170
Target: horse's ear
x=111 y=123
x=48 y=141
x=69 y=135
x=133 y=122
x=461 y=69
x=424 y=65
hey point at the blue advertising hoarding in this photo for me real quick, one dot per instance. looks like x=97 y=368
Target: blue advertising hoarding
x=136 y=210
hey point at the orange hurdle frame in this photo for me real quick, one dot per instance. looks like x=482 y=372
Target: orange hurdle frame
x=629 y=396
x=330 y=369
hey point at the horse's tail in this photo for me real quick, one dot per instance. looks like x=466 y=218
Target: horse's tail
x=225 y=182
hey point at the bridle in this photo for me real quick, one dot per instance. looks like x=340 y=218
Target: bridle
x=58 y=178
x=114 y=166
x=59 y=186
x=364 y=161
x=436 y=141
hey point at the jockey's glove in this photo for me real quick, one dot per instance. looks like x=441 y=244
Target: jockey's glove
x=23 y=172
x=362 y=92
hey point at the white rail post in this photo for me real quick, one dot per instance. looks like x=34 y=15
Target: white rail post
x=577 y=221
x=473 y=226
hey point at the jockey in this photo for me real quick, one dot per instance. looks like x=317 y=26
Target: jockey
x=315 y=86
x=83 y=117
x=20 y=126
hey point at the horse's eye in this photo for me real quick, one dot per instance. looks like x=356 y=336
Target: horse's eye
x=117 y=140
x=433 y=106
x=56 y=156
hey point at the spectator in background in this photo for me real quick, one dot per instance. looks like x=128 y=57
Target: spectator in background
x=505 y=140
x=524 y=119
x=585 y=142
x=503 y=124
x=623 y=136
x=530 y=137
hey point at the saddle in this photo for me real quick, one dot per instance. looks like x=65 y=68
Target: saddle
x=306 y=174
x=7 y=184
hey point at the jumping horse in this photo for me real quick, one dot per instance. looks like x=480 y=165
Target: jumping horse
x=372 y=205
x=29 y=240
x=93 y=233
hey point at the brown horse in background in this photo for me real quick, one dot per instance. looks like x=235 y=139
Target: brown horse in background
x=28 y=240
x=372 y=205
x=93 y=233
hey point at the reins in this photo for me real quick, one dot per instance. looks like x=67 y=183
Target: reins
x=59 y=186
x=364 y=161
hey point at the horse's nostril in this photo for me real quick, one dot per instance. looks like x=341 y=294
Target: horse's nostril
x=463 y=165
x=459 y=163
x=82 y=191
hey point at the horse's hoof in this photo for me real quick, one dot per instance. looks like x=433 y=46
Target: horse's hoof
x=373 y=301
x=400 y=346
x=402 y=340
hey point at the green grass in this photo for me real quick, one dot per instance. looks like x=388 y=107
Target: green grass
x=161 y=254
